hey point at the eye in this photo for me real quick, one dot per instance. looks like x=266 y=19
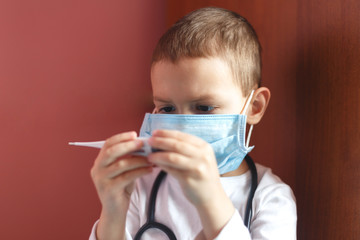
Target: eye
x=204 y=108
x=166 y=109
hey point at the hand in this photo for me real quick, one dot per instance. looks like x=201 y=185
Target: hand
x=114 y=171
x=113 y=174
x=192 y=162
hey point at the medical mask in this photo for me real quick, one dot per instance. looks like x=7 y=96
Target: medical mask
x=224 y=132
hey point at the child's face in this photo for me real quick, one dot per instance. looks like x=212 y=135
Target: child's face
x=195 y=86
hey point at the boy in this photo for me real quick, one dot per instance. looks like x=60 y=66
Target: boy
x=207 y=63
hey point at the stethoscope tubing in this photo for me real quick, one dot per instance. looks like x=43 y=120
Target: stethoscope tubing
x=151 y=223
x=253 y=187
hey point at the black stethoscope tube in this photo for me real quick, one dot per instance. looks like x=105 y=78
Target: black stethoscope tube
x=253 y=186
x=151 y=223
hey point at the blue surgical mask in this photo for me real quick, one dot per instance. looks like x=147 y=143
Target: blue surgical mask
x=224 y=132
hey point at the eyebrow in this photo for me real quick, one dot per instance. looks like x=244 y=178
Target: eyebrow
x=206 y=97
x=160 y=99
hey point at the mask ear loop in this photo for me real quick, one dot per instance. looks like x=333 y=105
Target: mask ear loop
x=249 y=135
x=251 y=126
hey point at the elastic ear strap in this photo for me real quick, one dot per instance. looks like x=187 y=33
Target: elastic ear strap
x=248 y=101
x=251 y=126
x=249 y=135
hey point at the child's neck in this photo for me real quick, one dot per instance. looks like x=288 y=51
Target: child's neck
x=237 y=172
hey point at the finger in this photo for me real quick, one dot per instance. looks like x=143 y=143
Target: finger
x=112 y=153
x=126 y=136
x=172 y=145
x=176 y=173
x=181 y=136
x=126 y=178
x=170 y=159
x=127 y=164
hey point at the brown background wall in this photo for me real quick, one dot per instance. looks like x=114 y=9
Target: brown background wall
x=310 y=134
x=70 y=70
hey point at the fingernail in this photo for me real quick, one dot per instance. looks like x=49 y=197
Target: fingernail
x=138 y=142
x=134 y=134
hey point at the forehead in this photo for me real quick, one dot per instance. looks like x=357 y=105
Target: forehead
x=200 y=64
x=192 y=74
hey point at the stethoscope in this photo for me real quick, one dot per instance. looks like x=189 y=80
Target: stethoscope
x=151 y=223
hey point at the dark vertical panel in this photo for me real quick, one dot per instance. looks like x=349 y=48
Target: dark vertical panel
x=328 y=119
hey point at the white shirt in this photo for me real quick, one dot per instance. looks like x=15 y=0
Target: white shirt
x=274 y=209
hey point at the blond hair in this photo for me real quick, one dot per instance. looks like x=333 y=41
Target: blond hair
x=215 y=32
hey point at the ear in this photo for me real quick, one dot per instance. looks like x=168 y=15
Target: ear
x=258 y=105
